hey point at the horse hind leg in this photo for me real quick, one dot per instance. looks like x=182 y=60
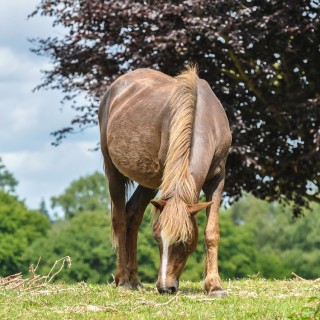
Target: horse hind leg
x=119 y=225
x=134 y=213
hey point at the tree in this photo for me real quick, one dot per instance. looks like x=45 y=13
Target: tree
x=43 y=208
x=19 y=227
x=237 y=251
x=256 y=237
x=282 y=244
x=148 y=251
x=84 y=233
x=86 y=238
x=8 y=182
x=261 y=59
x=85 y=194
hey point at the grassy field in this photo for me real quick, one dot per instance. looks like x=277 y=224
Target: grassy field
x=246 y=299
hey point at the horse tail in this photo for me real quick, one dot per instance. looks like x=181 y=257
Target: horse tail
x=178 y=186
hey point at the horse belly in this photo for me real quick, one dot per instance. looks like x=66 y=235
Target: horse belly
x=136 y=156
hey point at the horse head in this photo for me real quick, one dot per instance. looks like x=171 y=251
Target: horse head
x=175 y=245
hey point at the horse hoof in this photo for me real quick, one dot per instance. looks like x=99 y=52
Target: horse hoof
x=138 y=286
x=124 y=286
x=217 y=293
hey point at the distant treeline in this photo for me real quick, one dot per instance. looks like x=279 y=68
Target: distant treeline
x=257 y=238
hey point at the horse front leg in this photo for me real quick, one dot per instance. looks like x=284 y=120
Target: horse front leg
x=134 y=213
x=212 y=282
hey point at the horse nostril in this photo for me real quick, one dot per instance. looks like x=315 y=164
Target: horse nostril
x=172 y=289
x=161 y=290
x=169 y=290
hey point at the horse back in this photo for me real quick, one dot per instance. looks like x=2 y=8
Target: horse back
x=134 y=118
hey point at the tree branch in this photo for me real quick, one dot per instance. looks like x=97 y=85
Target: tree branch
x=249 y=83
x=313 y=198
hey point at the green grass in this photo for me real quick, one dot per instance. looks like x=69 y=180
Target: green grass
x=246 y=299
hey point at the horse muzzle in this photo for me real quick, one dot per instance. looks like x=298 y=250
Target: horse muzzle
x=169 y=289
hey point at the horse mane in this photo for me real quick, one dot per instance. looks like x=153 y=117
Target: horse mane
x=178 y=186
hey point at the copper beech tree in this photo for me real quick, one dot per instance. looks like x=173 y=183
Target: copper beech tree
x=262 y=59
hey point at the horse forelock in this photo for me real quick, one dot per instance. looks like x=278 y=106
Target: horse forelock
x=175 y=223
x=178 y=185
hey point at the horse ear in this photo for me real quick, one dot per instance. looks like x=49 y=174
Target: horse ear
x=159 y=204
x=194 y=208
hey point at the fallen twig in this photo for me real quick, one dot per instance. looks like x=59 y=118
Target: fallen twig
x=153 y=304
x=169 y=301
x=302 y=279
x=10 y=279
x=298 y=277
x=34 y=282
x=64 y=260
x=198 y=298
x=33 y=270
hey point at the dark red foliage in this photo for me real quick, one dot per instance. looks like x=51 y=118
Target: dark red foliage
x=262 y=59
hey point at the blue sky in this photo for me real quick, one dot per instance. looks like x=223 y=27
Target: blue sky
x=27 y=118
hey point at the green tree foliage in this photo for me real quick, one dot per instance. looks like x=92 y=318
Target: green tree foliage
x=238 y=255
x=43 y=207
x=262 y=238
x=260 y=58
x=88 y=193
x=148 y=252
x=237 y=252
x=19 y=227
x=256 y=238
x=8 y=182
x=282 y=244
x=86 y=238
x=84 y=234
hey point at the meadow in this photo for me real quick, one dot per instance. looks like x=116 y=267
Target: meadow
x=245 y=299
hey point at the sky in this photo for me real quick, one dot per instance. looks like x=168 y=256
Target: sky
x=27 y=118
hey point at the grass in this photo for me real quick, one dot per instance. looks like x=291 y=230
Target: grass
x=246 y=299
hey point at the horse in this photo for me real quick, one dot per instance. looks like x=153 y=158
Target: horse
x=169 y=134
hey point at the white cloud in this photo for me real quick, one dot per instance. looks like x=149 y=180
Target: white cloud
x=27 y=118
x=14 y=20
x=48 y=171
x=16 y=66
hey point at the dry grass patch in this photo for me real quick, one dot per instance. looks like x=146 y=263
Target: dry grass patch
x=34 y=282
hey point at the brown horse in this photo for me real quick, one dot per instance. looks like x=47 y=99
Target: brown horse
x=167 y=134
